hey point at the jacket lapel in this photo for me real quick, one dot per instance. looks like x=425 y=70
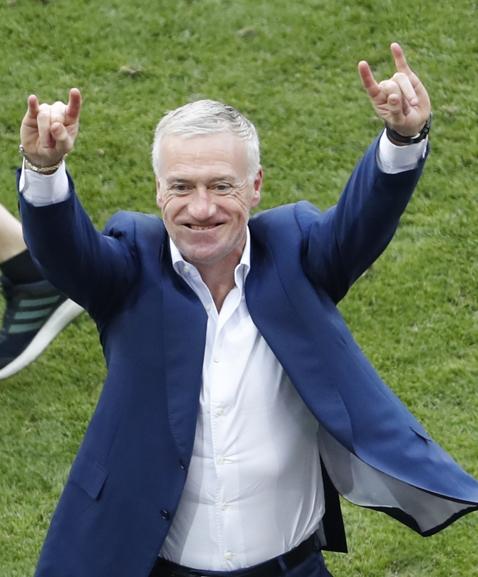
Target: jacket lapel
x=278 y=316
x=184 y=337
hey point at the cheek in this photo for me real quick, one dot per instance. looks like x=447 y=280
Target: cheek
x=165 y=201
x=242 y=211
x=170 y=208
x=239 y=204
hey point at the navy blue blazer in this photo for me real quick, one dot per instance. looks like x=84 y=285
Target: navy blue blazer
x=128 y=476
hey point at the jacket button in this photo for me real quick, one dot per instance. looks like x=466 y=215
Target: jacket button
x=164 y=514
x=182 y=466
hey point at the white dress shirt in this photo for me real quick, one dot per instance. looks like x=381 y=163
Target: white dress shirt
x=254 y=486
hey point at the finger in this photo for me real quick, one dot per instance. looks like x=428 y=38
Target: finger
x=402 y=66
x=58 y=112
x=44 y=125
x=394 y=105
x=406 y=87
x=389 y=87
x=30 y=118
x=397 y=108
x=399 y=58
x=73 y=107
x=393 y=96
x=33 y=107
x=368 y=80
x=61 y=137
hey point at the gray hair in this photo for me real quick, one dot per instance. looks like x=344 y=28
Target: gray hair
x=207 y=117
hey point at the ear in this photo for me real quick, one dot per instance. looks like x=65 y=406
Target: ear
x=256 y=195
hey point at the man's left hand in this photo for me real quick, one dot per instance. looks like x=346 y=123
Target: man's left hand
x=401 y=101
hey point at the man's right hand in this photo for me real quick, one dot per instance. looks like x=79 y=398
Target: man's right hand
x=49 y=131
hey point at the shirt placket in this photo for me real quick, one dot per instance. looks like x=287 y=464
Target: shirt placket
x=220 y=413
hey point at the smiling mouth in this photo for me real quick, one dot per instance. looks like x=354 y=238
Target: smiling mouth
x=202 y=227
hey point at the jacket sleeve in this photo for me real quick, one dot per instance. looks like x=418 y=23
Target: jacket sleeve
x=342 y=242
x=96 y=270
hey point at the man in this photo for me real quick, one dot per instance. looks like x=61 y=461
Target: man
x=35 y=311
x=237 y=405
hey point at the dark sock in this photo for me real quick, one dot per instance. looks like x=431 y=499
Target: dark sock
x=21 y=269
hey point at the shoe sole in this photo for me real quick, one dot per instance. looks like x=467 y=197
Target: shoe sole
x=62 y=316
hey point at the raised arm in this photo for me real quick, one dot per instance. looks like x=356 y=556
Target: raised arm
x=344 y=241
x=93 y=269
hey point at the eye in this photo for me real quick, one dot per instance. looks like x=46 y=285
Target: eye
x=222 y=187
x=180 y=188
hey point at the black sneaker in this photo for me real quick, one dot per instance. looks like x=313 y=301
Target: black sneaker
x=34 y=314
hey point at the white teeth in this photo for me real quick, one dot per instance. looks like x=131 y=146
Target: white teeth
x=197 y=227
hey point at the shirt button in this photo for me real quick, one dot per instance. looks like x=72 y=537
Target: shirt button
x=215 y=360
x=219 y=412
x=228 y=555
x=165 y=514
x=220 y=460
x=225 y=506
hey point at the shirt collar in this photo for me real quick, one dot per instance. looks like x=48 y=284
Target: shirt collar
x=183 y=268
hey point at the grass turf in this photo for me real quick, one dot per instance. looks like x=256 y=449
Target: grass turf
x=290 y=66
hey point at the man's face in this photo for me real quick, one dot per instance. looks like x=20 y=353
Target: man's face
x=205 y=197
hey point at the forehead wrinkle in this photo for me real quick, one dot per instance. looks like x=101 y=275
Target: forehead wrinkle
x=205 y=153
x=202 y=174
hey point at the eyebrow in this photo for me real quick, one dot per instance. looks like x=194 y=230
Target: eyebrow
x=177 y=179
x=182 y=180
x=226 y=177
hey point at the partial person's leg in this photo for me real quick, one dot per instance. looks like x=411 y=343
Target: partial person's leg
x=35 y=311
x=11 y=238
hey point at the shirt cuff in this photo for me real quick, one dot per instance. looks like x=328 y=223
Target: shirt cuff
x=44 y=189
x=393 y=159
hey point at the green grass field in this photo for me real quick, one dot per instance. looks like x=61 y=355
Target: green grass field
x=290 y=66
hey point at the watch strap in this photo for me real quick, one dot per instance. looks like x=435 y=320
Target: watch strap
x=395 y=136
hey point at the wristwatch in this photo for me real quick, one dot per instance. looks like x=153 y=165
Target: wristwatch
x=395 y=136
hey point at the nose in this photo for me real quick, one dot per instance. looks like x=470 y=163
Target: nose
x=201 y=205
